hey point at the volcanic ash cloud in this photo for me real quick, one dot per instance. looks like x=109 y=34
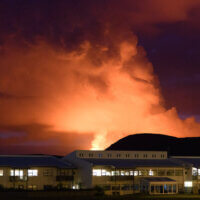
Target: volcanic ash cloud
x=107 y=91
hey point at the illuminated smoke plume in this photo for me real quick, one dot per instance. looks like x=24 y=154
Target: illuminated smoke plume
x=74 y=92
x=104 y=86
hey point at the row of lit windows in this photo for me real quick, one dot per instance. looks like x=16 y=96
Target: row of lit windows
x=46 y=187
x=145 y=172
x=20 y=172
x=34 y=172
x=91 y=155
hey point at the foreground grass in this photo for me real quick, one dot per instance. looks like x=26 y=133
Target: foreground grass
x=65 y=196
x=157 y=197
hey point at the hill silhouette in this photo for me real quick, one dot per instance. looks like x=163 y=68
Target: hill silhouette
x=189 y=146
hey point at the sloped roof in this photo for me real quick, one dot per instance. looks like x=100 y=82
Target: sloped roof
x=189 y=161
x=129 y=163
x=26 y=161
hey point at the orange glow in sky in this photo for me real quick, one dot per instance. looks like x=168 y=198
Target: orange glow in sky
x=111 y=99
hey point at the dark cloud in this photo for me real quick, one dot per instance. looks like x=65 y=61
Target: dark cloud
x=14 y=97
x=175 y=56
x=69 y=23
x=40 y=139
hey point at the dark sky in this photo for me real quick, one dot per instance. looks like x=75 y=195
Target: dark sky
x=74 y=73
x=175 y=55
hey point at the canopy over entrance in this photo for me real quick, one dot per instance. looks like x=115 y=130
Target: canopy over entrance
x=158 y=185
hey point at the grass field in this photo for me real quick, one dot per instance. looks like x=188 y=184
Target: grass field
x=67 y=196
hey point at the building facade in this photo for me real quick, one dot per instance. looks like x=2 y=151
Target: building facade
x=117 y=172
x=36 y=173
x=127 y=172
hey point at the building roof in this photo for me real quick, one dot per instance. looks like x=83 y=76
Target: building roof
x=129 y=163
x=158 y=179
x=27 y=161
x=195 y=161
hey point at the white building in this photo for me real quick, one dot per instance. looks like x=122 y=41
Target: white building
x=127 y=172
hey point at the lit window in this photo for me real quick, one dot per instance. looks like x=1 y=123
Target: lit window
x=32 y=187
x=113 y=173
x=16 y=172
x=108 y=173
x=127 y=173
x=103 y=172
x=131 y=173
x=96 y=172
x=11 y=172
x=194 y=171
x=122 y=173
x=117 y=173
x=1 y=172
x=75 y=187
x=32 y=172
x=150 y=172
x=188 y=183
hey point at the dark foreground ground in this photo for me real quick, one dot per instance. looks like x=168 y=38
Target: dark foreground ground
x=54 y=195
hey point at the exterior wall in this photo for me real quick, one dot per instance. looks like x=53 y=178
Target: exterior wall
x=120 y=184
x=4 y=180
x=192 y=174
x=121 y=154
x=128 y=184
x=131 y=184
x=84 y=170
x=47 y=176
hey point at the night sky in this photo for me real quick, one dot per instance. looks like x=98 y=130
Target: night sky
x=80 y=74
